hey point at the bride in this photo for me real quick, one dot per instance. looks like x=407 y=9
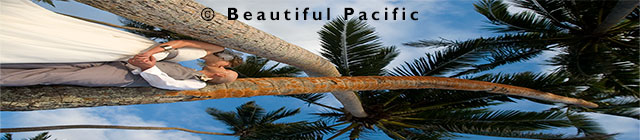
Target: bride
x=32 y=34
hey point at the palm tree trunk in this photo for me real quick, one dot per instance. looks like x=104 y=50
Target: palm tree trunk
x=184 y=17
x=58 y=127
x=53 y=97
x=621 y=10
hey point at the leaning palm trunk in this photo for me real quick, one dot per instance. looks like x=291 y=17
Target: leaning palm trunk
x=621 y=10
x=52 y=97
x=58 y=127
x=184 y=17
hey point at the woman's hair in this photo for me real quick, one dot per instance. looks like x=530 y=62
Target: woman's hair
x=230 y=56
x=236 y=61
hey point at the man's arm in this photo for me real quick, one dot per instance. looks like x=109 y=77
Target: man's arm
x=156 y=78
x=184 y=43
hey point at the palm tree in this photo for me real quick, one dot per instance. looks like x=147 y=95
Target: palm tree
x=433 y=114
x=250 y=121
x=603 y=47
x=425 y=113
x=118 y=96
x=598 y=38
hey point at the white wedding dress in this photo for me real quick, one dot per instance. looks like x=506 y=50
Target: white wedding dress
x=32 y=34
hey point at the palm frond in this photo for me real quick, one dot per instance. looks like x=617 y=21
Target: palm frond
x=228 y=118
x=630 y=112
x=342 y=131
x=351 y=45
x=249 y=112
x=41 y=136
x=585 y=125
x=375 y=64
x=496 y=12
x=308 y=97
x=7 y=136
x=501 y=57
x=355 y=133
x=457 y=55
x=278 y=114
x=625 y=78
x=416 y=100
x=255 y=67
x=418 y=134
x=250 y=122
x=390 y=133
x=312 y=99
x=619 y=75
x=555 y=11
x=287 y=71
x=505 y=119
x=330 y=116
x=557 y=82
x=499 y=132
x=290 y=131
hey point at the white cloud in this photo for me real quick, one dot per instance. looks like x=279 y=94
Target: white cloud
x=329 y=100
x=101 y=116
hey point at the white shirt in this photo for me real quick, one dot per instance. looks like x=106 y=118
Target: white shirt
x=156 y=78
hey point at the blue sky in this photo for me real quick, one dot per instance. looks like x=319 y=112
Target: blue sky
x=455 y=20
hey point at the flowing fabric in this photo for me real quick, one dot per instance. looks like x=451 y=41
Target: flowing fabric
x=32 y=34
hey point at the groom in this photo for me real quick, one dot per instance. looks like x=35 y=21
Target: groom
x=139 y=71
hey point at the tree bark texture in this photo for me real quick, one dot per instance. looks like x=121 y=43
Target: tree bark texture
x=53 y=97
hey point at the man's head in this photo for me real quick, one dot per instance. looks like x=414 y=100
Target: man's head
x=231 y=61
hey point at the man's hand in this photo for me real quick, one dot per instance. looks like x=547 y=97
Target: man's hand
x=144 y=62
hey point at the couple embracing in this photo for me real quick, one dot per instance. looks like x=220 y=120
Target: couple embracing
x=139 y=71
x=40 y=47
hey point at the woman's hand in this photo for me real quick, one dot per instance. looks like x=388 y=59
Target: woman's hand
x=146 y=54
